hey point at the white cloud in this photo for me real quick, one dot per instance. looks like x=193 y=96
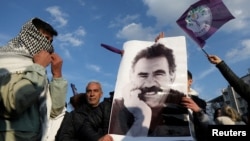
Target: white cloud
x=121 y=20
x=93 y=67
x=58 y=15
x=240 y=53
x=166 y=11
x=206 y=72
x=107 y=85
x=135 y=31
x=82 y=3
x=240 y=10
x=72 y=39
x=80 y=31
x=66 y=53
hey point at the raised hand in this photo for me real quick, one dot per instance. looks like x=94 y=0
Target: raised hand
x=161 y=35
x=190 y=104
x=214 y=59
x=56 y=65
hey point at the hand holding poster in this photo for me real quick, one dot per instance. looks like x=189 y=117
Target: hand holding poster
x=151 y=81
x=202 y=19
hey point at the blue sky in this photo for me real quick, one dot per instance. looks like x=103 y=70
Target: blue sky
x=84 y=24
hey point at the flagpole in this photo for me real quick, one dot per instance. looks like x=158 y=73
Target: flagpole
x=205 y=52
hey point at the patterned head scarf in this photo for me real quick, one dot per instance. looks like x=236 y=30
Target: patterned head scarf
x=28 y=42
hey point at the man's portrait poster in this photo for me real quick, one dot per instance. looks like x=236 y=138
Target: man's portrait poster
x=151 y=80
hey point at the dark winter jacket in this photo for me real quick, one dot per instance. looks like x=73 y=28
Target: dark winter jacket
x=200 y=127
x=97 y=123
x=72 y=123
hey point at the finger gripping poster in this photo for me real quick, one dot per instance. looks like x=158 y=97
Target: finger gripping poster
x=151 y=81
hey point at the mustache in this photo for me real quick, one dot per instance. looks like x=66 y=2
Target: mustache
x=151 y=89
x=148 y=89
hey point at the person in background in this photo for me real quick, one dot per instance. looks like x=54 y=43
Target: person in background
x=242 y=88
x=199 y=120
x=245 y=118
x=191 y=91
x=77 y=100
x=229 y=116
x=65 y=130
x=69 y=130
x=28 y=97
x=95 y=127
x=217 y=113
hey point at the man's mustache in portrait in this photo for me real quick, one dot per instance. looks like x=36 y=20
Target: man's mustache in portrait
x=149 y=90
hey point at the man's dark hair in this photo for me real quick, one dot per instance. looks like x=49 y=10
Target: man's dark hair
x=157 y=50
x=39 y=24
x=190 y=76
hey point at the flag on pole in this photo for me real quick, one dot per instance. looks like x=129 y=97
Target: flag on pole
x=203 y=18
x=113 y=49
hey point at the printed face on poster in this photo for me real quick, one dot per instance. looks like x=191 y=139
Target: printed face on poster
x=151 y=80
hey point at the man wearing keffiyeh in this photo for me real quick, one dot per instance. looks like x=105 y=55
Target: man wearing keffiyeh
x=27 y=97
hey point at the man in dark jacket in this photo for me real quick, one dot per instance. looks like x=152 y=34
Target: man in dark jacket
x=95 y=127
x=72 y=124
x=242 y=88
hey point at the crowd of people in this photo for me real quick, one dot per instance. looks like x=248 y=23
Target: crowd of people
x=34 y=108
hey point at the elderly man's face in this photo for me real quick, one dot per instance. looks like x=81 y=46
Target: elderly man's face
x=94 y=94
x=153 y=79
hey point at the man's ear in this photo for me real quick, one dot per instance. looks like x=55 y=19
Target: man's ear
x=191 y=81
